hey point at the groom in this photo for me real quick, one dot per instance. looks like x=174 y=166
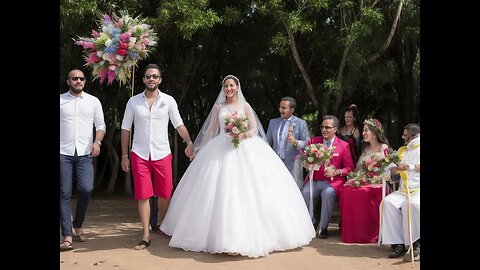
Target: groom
x=287 y=133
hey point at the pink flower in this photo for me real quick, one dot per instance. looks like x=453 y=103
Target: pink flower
x=102 y=74
x=125 y=37
x=95 y=34
x=111 y=76
x=93 y=58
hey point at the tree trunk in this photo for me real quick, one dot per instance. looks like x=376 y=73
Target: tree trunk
x=339 y=78
x=390 y=35
x=298 y=61
x=405 y=55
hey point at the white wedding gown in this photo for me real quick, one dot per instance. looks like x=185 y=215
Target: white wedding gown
x=240 y=200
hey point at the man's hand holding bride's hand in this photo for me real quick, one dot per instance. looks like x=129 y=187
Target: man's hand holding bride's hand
x=189 y=150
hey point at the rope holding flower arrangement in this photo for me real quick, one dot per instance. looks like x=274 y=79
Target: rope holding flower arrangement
x=116 y=47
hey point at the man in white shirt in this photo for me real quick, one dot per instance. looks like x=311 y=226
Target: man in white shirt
x=151 y=158
x=395 y=220
x=80 y=113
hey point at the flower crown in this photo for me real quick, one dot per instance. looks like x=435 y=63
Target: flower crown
x=374 y=123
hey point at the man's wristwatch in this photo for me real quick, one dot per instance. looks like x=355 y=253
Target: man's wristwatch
x=98 y=142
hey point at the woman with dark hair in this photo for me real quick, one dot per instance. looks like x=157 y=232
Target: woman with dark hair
x=350 y=131
x=362 y=193
x=237 y=196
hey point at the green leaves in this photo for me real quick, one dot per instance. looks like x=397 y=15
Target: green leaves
x=190 y=16
x=332 y=85
x=280 y=43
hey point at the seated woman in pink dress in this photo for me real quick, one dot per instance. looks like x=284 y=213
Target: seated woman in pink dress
x=362 y=193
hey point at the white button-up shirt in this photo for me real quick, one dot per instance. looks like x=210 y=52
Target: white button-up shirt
x=150 y=135
x=78 y=117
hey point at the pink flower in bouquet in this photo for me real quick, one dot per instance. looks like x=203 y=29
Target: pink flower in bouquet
x=117 y=46
x=315 y=154
x=236 y=123
x=371 y=169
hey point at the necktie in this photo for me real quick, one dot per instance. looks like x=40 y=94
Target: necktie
x=328 y=143
x=281 y=140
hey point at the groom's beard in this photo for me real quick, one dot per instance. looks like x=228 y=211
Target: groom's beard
x=152 y=89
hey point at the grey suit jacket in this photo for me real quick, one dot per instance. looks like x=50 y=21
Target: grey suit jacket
x=300 y=132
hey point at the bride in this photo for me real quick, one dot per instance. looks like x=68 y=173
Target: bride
x=236 y=199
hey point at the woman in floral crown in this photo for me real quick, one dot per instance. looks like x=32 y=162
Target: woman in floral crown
x=237 y=196
x=362 y=193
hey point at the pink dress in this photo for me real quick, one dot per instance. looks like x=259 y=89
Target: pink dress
x=360 y=214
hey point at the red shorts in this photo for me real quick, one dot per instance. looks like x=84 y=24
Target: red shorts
x=151 y=177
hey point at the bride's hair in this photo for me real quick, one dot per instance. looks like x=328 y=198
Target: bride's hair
x=231 y=77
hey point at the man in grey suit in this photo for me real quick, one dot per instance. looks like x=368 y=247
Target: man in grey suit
x=287 y=134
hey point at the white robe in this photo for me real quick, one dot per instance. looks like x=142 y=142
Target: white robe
x=395 y=217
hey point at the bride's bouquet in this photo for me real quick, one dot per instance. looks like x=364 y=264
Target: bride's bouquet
x=237 y=124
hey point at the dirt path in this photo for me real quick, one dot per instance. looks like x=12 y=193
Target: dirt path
x=112 y=227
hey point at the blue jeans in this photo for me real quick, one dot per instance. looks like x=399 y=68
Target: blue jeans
x=82 y=168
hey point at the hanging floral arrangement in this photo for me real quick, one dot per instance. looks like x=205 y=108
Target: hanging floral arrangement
x=117 y=46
